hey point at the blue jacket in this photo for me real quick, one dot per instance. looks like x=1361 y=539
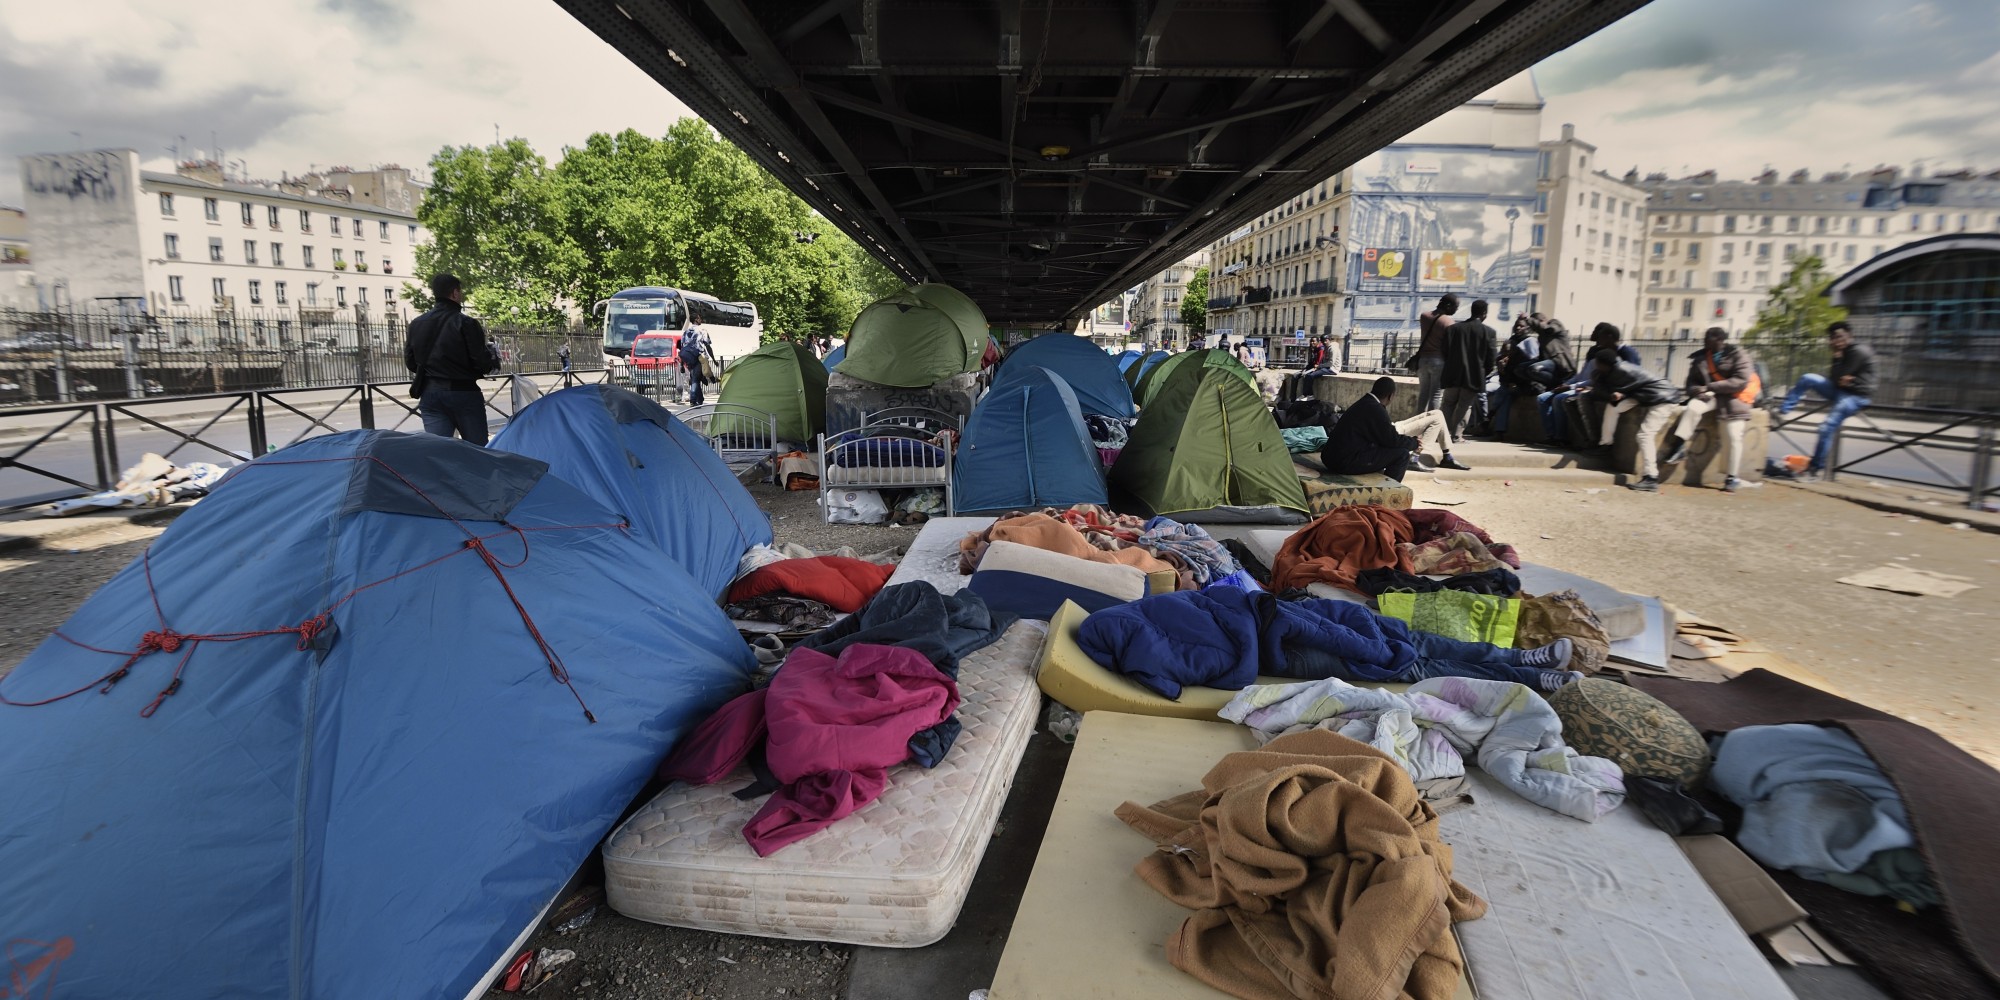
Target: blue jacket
x=1224 y=637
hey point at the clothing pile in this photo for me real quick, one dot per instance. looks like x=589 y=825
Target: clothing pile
x=1314 y=869
x=793 y=591
x=1513 y=734
x=1088 y=531
x=153 y=482
x=1108 y=435
x=875 y=690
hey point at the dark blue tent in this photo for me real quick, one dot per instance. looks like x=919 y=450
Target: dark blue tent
x=1145 y=364
x=836 y=356
x=328 y=738
x=1026 y=447
x=631 y=455
x=1090 y=372
x=1126 y=359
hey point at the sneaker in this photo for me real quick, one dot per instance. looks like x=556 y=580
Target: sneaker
x=1551 y=681
x=1648 y=484
x=1811 y=475
x=1730 y=484
x=1678 y=454
x=1418 y=463
x=1452 y=463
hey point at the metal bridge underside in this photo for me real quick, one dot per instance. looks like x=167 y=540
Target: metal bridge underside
x=1042 y=157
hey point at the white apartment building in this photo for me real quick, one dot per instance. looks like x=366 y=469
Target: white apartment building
x=195 y=242
x=1715 y=248
x=1588 y=240
x=1156 y=304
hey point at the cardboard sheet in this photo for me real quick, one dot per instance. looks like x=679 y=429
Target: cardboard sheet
x=1652 y=647
x=1580 y=910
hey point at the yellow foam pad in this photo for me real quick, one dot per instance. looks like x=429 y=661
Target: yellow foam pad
x=1070 y=676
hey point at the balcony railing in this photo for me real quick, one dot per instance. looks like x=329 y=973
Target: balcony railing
x=1317 y=286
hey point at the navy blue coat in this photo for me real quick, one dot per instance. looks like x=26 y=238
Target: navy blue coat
x=1224 y=637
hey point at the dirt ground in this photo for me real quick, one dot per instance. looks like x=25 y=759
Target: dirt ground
x=1763 y=563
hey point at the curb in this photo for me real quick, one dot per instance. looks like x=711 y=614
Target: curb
x=1941 y=515
x=84 y=524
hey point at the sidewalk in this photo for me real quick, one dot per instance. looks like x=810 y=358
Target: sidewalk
x=1896 y=498
x=28 y=531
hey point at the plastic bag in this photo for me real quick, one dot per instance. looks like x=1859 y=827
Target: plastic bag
x=856 y=507
x=1063 y=721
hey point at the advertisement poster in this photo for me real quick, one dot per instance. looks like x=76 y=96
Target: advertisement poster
x=1446 y=267
x=1384 y=263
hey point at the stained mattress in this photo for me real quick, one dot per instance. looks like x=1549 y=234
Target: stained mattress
x=893 y=874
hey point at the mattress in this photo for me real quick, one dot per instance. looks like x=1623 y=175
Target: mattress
x=1327 y=490
x=884 y=475
x=1578 y=910
x=893 y=874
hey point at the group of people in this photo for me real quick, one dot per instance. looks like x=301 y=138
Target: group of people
x=1463 y=373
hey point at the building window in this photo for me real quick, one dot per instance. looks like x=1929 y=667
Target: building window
x=256 y=292
x=336 y=256
x=249 y=213
x=305 y=220
x=334 y=221
x=1853 y=227
x=174 y=288
x=1594 y=202
x=1819 y=224
x=1655 y=277
x=1849 y=255
x=1659 y=248
x=1720 y=306
x=219 y=287
x=173 y=247
x=271 y=215
x=249 y=251
x=1882 y=226
x=1791 y=251
x=1652 y=306
x=1791 y=223
x=1729 y=223
x=1728 y=252
x=1540 y=235
x=1964 y=223
x=305 y=256
x=1763 y=279
x=1694 y=253
x=1542 y=203
x=1819 y=250
x=382 y=230
x=166 y=203
x=1916 y=221
x=215 y=249
x=361 y=295
x=357 y=229
x=277 y=255
x=278 y=292
x=1940 y=222
x=389 y=294
x=413 y=234
x=1722 y=280
x=1763 y=252
x=1607 y=241
x=1687 y=308
x=1694 y=223
x=385 y=265
x=340 y=297
x=211 y=209
x=1621 y=244
x=312 y=293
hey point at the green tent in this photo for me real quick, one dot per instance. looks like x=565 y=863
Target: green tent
x=917 y=337
x=781 y=378
x=1157 y=376
x=1207 y=449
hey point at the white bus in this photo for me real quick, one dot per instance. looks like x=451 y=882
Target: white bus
x=733 y=328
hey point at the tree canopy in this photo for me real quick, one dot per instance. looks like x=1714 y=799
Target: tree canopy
x=1798 y=307
x=1194 y=304
x=687 y=210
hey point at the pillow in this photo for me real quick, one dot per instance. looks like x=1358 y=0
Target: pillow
x=1033 y=582
x=1602 y=718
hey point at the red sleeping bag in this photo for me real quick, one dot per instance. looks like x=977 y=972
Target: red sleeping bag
x=837 y=582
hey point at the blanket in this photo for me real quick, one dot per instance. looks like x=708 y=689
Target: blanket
x=1952 y=799
x=1816 y=805
x=941 y=627
x=839 y=583
x=1343 y=542
x=1044 y=531
x=1515 y=735
x=1314 y=870
x=1199 y=558
x=1457 y=553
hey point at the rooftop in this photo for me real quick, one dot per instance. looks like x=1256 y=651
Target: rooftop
x=272 y=192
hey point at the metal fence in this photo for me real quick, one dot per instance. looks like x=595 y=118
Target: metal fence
x=1915 y=368
x=81 y=356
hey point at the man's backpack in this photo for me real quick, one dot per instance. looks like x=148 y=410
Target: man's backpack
x=691 y=348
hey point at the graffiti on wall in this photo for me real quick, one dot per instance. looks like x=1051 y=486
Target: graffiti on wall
x=94 y=176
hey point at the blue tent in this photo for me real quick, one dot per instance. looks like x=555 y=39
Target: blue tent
x=631 y=455
x=835 y=356
x=1126 y=359
x=1026 y=447
x=1090 y=372
x=1145 y=364
x=352 y=757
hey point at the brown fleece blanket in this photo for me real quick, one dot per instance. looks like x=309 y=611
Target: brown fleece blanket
x=1952 y=797
x=1340 y=545
x=1314 y=869
x=1044 y=532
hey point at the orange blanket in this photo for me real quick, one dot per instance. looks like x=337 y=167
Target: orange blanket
x=1342 y=543
x=1314 y=869
x=1045 y=532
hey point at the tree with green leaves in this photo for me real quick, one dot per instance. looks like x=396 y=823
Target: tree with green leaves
x=1789 y=334
x=1194 y=305
x=496 y=220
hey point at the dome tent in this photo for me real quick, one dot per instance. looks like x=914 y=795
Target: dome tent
x=1205 y=449
x=917 y=337
x=437 y=616
x=1026 y=448
x=1140 y=367
x=1208 y=357
x=1092 y=374
x=628 y=453
x=784 y=379
x=835 y=357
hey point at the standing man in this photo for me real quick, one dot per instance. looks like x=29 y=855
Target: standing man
x=1431 y=327
x=1621 y=385
x=1721 y=380
x=1849 y=390
x=446 y=352
x=563 y=354
x=694 y=344
x=1469 y=349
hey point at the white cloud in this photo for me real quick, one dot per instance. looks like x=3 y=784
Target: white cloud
x=286 y=84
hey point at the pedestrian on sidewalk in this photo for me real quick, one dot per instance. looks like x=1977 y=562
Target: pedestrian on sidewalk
x=693 y=347
x=446 y=352
x=1469 y=350
x=1623 y=386
x=1721 y=380
x=1850 y=389
x=1431 y=327
x=562 y=353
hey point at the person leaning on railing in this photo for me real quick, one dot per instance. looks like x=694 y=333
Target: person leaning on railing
x=1849 y=387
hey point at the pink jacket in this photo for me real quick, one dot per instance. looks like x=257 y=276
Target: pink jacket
x=830 y=729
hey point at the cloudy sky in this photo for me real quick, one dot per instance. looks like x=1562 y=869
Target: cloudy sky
x=286 y=84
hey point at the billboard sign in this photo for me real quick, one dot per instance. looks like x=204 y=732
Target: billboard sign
x=1384 y=264
x=1446 y=267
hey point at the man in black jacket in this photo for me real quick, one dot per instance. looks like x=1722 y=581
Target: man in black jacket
x=1849 y=389
x=1469 y=350
x=446 y=352
x=1621 y=386
x=1366 y=441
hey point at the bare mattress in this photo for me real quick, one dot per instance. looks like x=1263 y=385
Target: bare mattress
x=893 y=874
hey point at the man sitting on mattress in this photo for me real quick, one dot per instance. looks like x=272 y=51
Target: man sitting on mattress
x=1223 y=637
